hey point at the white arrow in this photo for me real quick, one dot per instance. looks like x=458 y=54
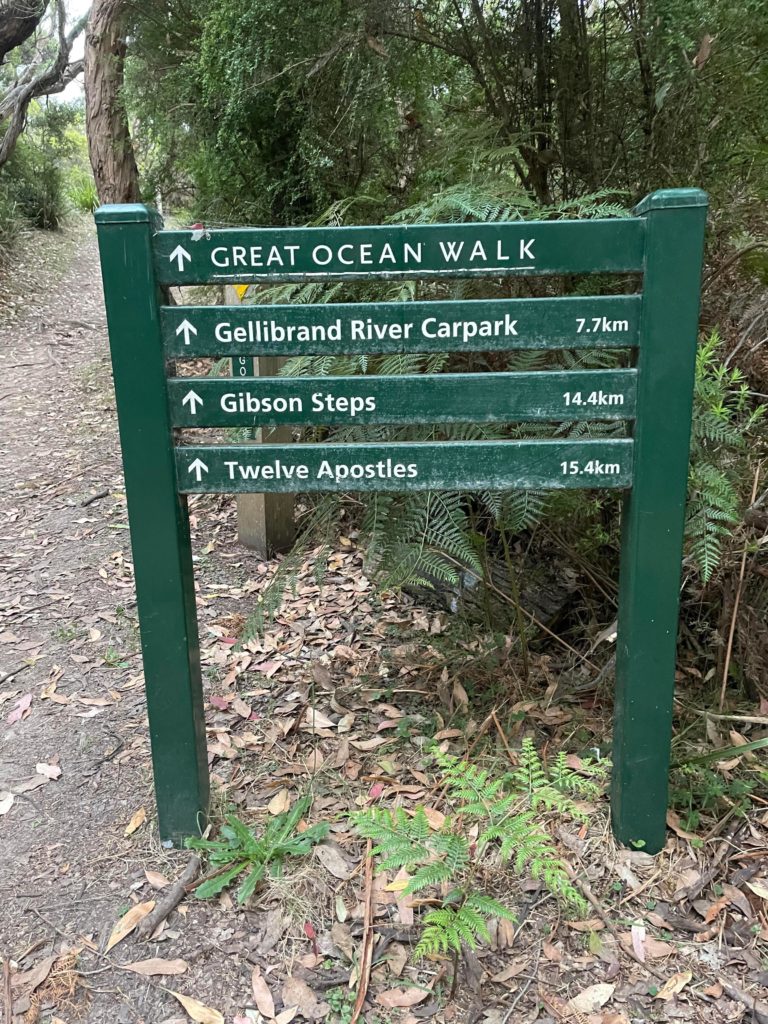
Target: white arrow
x=192 y=398
x=187 y=328
x=198 y=467
x=179 y=254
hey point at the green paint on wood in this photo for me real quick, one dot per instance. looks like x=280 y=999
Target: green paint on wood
x=492 y=465
x=414 y=250
x=474 y=326
x=654 y=514
x=441 y=398
x=663 y=240
x=159 y=525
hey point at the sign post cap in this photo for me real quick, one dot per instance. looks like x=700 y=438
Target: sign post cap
x=668 y=198
x=126 y=213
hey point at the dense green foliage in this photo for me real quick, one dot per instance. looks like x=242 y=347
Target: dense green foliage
x=273 y=112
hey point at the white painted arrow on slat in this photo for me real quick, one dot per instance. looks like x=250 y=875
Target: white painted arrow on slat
x=179 y=254
x=186 y=328
x=192 y=399
x=198 y=467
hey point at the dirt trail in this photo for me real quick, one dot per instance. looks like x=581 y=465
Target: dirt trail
x=68 y=633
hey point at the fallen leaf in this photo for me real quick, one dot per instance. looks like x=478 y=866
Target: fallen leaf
x=715 y=909
x=156 y=965
x=315 y=719
x=197 y=1011
x=592 y=998
x=50 y=771
x=673 y=820
x=29 y=980
x=509 y=972
x=333 y=860
x=20 y=710
x=395 y=998
x=650 y=948
x=280 y=802
x=297 y=993
x=156 y=880
x=286 y=1016
x=435 y=818
x=128 y=922
x=674 y=985
x=369 y=744
x=594 y=924
x=759 y=889
x=136 y=821
x=6 y=802
x=261 y=994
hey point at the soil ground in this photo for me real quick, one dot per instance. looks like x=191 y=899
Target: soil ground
x=78 y=844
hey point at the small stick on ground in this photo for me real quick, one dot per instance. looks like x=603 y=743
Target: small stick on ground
x=595 y=903
x=7 y=994
x=14 y=672
x=510 y=755
x=171 y=899
x=366 y=953
x=737 y=599
x=758 y=1009
x=94 y=497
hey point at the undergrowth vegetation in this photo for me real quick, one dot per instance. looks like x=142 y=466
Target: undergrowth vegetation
x=495 y=824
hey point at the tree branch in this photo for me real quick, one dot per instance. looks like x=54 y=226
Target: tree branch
x=52 y=79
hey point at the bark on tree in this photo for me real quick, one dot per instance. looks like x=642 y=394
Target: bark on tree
x=109 y=137
x=18 y=20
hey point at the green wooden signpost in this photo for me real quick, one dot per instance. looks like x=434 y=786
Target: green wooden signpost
x=662 y=241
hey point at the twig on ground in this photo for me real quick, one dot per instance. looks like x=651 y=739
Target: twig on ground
x=524 y=988
x=500 y=731
x=95 y=497
x=598 y=907
x=737 y=598
x=14 y=671
x=758 y=1008
x=7 y=994
x=366 y=953
x=171 y=898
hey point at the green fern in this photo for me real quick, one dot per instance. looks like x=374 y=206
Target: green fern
x=494 y=821
x=724 y=420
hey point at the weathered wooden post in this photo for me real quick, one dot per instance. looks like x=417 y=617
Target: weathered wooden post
x=265 y=522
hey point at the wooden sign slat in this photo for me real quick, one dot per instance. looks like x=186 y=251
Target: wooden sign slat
x=243 y=255
x=476 y=325
x=439 y=398
x=491 y=465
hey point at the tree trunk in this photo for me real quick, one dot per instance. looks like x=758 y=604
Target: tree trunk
x=109 y=137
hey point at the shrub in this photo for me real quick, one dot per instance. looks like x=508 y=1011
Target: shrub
x=81 y=191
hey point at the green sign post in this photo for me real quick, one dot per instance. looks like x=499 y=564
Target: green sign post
x=662 y=240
